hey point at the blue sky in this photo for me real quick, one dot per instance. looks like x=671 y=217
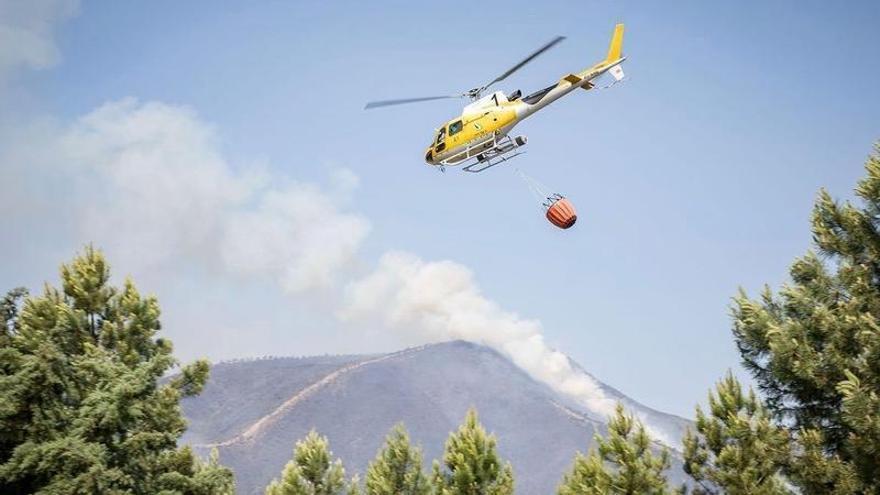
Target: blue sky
x=693 y=178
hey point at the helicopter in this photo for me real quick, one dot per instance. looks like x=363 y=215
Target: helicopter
x=479 y=138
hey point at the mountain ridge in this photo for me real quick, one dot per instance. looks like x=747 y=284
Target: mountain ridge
x=354 y=400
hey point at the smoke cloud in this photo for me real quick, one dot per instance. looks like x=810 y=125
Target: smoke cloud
x=441 y=301
x=168 y=192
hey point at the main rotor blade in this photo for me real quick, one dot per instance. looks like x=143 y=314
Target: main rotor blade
x=524 y=61
x=385 y=103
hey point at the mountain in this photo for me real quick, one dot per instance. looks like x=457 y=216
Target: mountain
x=254 y=411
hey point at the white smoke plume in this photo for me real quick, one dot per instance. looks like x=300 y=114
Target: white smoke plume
x=441 y=300
x=147 y=183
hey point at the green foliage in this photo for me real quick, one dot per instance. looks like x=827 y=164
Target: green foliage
x=471 y=465
x=81 y=408
x=397 y=469
x=311 y=471
x=815 y=471
x=814 y=347
x=623 y=463
x=737 y=448
x=207 y=477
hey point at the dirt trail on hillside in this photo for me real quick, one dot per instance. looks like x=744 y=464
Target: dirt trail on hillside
x=266 y=421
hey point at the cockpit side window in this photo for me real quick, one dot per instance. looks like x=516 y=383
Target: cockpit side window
x=455 y=127
x=441 y=135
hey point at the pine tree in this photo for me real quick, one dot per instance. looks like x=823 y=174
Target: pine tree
x=623 y=463
x=737 y=449
x=397 y=468
x=814 y=347
x=471 y=465
x=81 y=407
x=311 y=472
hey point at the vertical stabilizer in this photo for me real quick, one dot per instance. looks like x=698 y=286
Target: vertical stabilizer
x=615 y=49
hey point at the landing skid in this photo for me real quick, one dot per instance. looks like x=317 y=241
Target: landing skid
x=480 y=159
x=487 y=163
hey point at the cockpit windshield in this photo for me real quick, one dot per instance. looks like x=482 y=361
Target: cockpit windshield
x=441 y=135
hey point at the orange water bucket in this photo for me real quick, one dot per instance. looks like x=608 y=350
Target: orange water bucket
x=561 y=213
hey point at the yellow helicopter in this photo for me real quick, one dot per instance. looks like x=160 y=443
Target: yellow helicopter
x=478 y=139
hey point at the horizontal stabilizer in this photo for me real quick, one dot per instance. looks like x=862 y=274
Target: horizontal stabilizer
x=617 y=72
x=573 y=79
x=578 y=81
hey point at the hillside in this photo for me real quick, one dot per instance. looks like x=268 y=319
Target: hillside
x=254 y=411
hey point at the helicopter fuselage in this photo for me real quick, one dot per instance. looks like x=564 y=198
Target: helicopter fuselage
x=483 y=124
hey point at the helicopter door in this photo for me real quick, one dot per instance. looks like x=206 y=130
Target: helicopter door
x=440 y=142
x=455 y=138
